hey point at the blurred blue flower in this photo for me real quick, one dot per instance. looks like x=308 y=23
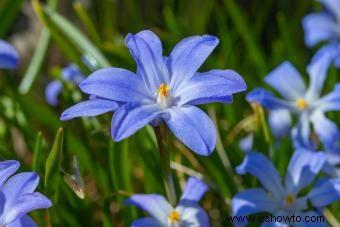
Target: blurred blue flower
x=17 y=196
x=305 y=103
x=324 y=26
x=164 y=89
x=186 y=213
x=70 y=73
x=9 y=57
x=285 y=200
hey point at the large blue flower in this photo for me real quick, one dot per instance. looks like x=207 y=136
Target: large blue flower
x=70 y=73
x=305 y=103
x=17 y=196
x=9 y=57
x=286 y=199
x=324 y=26
x=164 y=89
x=187 y=213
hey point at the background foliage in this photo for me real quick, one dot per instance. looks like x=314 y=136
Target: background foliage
x=255 y=36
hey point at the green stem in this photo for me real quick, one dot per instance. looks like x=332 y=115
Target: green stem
x=163 y=142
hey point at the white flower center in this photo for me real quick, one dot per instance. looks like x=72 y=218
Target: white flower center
x=164 y=98
x=174 y=218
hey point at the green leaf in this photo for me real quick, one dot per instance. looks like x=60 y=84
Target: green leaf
x=37 y=157
x=52 y=176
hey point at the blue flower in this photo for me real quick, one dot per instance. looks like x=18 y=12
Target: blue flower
x=9 y=57
x=305 y=103
x=164 y=89
x=324 y=26
x=187 y=213
x=70 y=73
x=286 y=199
x=17 y=196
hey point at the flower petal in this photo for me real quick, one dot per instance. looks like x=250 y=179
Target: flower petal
x=131 y=117
x=147 y=51
x=155 y=205
x=325 y=192
x=72 y=73
x=7 y=168
x=302 y=169
x=194 y=190
x=259 y=166
x=25 y=203
x=89 y=108
x=280 y=122
x=303 y=130
x=193 y=127
x=146 y=222
x=252 y=201
x=209 y=86
x=115 y=84
x=325 y=129
x=192 y=215
x=24 y=221
x=52 y=91
x=318 y=27
x=268 y=100
x=187 y=56
x=246 y=143
x=287 y=81
x=317 y=71
x=330 y=102
x=333 y=6
x=9 y=57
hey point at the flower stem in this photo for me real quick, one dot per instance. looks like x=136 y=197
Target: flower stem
x=163 y=142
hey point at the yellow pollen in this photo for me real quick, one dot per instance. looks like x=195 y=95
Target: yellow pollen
x=174 y=216
x=290 y=199
x=164 y=90
x=301 y=104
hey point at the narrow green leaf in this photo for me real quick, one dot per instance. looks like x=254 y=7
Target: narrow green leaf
x=8 y=12
x=37 y=156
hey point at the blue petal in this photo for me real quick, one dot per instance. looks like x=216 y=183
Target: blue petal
x=192 y=215
x=25 y=203
x=318 y=27
x=131 y=117
x=115 y=84
x=193 y=127
x=24 y=221
x=146 y=222
x=287 y=81
x=317 y=71
x=304 y=129
x=259 y=166
x=194 y=190
x=325 y=192
x=332 y=49
x=280 y=122
x=246 y=144
x=52 y=91
x=19 y=184
x=268 y=100
x=72 y=73
x=147 y=51
x=89 y=108
x=325 y=129
x=7 y=168
x=302 y=169
x=155 y=205
x=252 y=201
x=333 y=6
x=9 y=57
x=330 y=102
x=209 y=86
x=187 y=56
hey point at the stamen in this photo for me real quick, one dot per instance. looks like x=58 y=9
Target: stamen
x=164 y=90
x=174 y=216
x=290 y=200
x=301 y=103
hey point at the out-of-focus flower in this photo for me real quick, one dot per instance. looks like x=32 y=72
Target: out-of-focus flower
x=164 y=89
x=17 y=196
x=324 y=26
x=9 y=57
x=70 y=73
x=305 y=103
x=285 y=199
x=187 y=213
